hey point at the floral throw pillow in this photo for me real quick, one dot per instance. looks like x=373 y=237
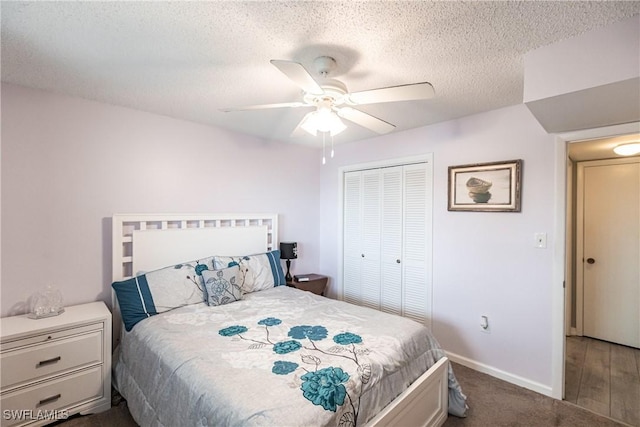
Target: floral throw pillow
x=222 y=286
x=257 y=272
x=161 y=290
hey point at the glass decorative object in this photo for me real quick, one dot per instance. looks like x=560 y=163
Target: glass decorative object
x=46 y=303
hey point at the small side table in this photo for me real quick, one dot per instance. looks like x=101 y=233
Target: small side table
x=316 y=283
x=57 y=366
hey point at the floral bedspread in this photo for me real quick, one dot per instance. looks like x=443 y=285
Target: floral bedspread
x=279 y=357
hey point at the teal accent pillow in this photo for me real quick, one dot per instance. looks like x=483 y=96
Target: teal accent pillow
x=222 y=286
x=161 y=290
x=257 y=272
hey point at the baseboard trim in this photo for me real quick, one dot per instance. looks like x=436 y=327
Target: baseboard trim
x=500 y=374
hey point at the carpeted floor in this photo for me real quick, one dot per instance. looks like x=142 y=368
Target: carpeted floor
x=492 y=402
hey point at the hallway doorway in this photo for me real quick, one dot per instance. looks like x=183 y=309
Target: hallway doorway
x=594 y=370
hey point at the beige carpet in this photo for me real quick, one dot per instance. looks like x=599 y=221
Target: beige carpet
x=492 y=402
x=496 y=403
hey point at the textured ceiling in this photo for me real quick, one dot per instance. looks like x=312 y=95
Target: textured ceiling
x=191 y=59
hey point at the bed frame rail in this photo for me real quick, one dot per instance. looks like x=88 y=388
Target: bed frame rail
x=424 y=404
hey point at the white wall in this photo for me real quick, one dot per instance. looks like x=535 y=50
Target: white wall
x=484 y=263
x=69 y=164
x=588 y=81
x=597 y=58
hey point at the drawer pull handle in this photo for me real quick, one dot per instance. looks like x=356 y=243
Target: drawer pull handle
x=49 y=399
x=48 y=361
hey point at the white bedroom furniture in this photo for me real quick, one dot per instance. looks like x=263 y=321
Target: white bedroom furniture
x=387 y=237
x=57 y=366
x=137 y=246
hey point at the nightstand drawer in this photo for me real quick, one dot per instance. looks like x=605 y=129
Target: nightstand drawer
x=49 y=336
x=62 y=393
x=51 y=358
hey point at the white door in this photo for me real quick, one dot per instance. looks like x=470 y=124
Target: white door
x=610 y=196
x=387 y=222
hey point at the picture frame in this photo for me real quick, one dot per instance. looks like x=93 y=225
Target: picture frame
x=486 y=187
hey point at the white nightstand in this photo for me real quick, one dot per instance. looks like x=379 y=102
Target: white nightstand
x=55 y=367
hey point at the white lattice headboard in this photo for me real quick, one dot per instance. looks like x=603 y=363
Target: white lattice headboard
x=144 y=242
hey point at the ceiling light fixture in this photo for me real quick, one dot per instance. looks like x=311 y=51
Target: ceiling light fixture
x=627 y=149
x=323 y=120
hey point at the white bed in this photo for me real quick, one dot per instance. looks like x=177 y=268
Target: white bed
x=200 y=364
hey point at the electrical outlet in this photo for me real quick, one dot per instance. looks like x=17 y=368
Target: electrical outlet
x=484 y=324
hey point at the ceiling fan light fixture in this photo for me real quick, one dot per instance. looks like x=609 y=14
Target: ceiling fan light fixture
x=627 y=149
x=322 y=120
x=334 y=102
x=308 y=124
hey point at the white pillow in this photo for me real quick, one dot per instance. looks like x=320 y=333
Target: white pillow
x=257 y=272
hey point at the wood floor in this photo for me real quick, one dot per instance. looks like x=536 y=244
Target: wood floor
x=604 y=378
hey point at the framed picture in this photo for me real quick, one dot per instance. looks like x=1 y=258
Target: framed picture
x=486 y=187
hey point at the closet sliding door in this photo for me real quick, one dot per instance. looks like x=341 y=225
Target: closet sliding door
x=416 y=261
x=371 y=193
x=387 y=239
x=362 y=221
x=391 y=240
x=352 y=238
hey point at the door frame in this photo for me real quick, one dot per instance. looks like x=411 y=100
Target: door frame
x=559 y=249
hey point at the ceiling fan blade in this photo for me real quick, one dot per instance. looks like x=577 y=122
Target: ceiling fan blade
x=365 y=120
x=266 y=106
x=408 y=92
x=299 y=75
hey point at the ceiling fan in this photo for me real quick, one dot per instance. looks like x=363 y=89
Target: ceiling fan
x=333 y=101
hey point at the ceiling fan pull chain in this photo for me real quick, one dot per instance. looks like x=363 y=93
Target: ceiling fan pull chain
x=332 y=146
x=324 y=158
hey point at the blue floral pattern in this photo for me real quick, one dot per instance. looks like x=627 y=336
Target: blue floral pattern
x=197 y=269
x=233 y=330
x=242 y=270
x=257 y=271
x=325 y=387
x=314 y=333
x=200 y=268
x=281 y=367
x=270 y=321
x=347 y=338
x=221 y=286
x=322 y=386
x=285 y=347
